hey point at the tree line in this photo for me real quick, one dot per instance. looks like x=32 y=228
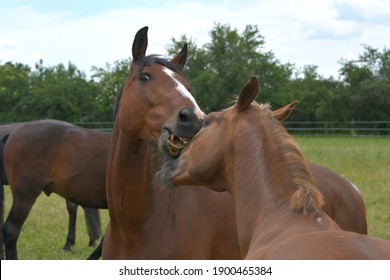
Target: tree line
x=216 y=71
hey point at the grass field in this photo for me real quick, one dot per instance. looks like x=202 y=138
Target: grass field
x=364 y=161
x=44 y=232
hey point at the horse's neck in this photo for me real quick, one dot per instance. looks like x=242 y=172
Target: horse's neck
x=262 y=190
x=254 y=199
x=130 y=176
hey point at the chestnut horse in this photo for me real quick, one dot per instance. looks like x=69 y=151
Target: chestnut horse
x=54 y=156
x=246 y=151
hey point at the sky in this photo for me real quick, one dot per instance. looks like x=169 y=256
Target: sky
x=93 y=33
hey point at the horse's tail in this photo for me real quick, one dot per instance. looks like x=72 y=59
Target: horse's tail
x=94 y=228
x=2 y=183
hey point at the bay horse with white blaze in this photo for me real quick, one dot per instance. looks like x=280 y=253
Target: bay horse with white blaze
x=53 y=157
x=246 y=151
x=147 y=221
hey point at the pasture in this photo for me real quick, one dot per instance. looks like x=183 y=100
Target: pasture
x=44 y=233
x=364 y=161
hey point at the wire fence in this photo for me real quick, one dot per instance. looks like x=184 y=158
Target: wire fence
x=352 y=128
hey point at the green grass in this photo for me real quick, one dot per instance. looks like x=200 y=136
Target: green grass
x=364 y=161
x=44 y=232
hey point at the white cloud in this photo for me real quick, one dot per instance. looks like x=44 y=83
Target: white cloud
x=7 y=42
x=302 y=32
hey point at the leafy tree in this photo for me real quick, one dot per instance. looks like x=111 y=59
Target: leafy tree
x=368 y=80
x=320 y=99
x=109 y=81
x=218 y=70
x=14 y=87
x=59 y=92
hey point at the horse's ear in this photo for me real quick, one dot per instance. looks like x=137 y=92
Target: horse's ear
x=283 y=113
x=140 y=44
x=181 y=58
x=248 y=94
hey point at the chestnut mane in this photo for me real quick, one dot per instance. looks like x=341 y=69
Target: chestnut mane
x=306 y=198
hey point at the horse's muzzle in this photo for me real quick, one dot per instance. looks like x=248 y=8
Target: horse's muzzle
x=170 y=144
x=174 y=137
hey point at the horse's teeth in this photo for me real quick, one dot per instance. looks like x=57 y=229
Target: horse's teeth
x=184 y=141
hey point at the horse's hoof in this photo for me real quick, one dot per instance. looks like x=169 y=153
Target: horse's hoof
x=66 y=250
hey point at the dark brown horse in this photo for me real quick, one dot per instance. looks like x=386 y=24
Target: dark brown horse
x=54 y=156
x=246 y=151
x=92 y=216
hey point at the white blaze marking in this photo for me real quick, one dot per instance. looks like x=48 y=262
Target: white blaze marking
x=184 y=92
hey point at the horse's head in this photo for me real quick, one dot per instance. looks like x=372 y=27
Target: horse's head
x=155 y=91
x=204 y=160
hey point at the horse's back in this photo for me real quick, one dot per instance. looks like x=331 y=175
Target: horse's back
x=8 y=128
x=343 y=202
x=328 y=245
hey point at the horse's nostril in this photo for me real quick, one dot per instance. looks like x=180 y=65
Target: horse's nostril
x=187 y=123
x=184 y=116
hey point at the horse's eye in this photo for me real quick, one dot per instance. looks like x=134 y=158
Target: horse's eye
x=145 y=77
x=206 y=122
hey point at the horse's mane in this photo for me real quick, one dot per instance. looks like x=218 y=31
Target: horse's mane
x=116 y=103
x=154 y=58
x=306 y=197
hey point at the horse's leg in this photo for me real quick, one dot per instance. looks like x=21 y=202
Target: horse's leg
x=92 y=220
x=2 y=183
x=20 y=209
x=97 y=253
x=71 y=238
x=1 y=221
x=1 y=207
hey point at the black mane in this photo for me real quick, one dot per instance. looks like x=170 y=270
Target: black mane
x=149 y=60
x=116 y=103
